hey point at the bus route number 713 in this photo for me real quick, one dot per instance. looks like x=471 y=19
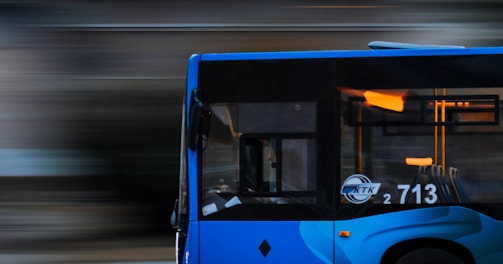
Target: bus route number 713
x=431 y=196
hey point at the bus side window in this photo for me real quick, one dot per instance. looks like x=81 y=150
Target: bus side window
x=259 y=173
x=298 y=164
x=271 y=166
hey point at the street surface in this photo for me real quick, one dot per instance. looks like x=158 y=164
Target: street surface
x=141 y=251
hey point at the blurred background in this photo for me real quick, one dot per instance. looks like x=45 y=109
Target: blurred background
x=91 y=97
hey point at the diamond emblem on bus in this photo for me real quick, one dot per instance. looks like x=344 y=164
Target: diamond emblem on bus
x=264 y=248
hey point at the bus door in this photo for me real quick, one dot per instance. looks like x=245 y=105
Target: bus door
x=265 y=167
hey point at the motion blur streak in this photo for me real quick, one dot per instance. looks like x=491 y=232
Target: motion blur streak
x=90 y=104
x=341 y=7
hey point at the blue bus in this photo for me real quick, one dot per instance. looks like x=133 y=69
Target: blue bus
x=387 y=155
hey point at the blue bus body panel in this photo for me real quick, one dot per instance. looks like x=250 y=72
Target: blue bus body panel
x=486 y=244
x=191 y=248
x=192 y=83
x=330 y=54
x=257 y=242
x=372 y=236
x=191 y=252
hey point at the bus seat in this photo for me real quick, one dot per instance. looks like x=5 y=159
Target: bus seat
x=457 y=186
x=445 y=189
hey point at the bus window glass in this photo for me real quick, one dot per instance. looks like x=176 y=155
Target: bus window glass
x=298 y=165
x=442 y=146
x=290 y=117
x=259 y=165
x=259 y=153
x=220 y=157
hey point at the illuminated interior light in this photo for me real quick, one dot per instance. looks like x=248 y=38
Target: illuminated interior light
x=385 y=101
x=419 y=161
x=453 y=104
x=344 y=233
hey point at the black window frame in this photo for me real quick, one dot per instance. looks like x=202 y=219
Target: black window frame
x=279 y=175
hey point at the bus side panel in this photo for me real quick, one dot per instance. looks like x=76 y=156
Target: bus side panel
x=372 y=236
x=191 y=252
x=486 y=245
x=192 y=83
x=265 y=242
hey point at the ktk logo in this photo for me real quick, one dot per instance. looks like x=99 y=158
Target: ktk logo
x=358 y=188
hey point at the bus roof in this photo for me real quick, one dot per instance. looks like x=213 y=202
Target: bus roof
x=327 y=54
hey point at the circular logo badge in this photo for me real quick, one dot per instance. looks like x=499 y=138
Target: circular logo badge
x=358 y=188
